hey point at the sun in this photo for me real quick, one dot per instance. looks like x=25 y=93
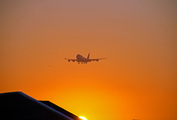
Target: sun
x=82 y=117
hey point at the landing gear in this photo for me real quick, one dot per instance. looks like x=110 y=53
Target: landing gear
x=82 y=62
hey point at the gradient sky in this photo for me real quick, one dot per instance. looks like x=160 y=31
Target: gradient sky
x=139 y=37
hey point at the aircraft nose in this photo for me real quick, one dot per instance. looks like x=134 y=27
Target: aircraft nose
x=77 y=55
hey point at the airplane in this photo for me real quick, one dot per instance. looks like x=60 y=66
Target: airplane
x=81 y=59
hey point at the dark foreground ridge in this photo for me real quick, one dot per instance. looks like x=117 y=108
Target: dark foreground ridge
x=19 y=106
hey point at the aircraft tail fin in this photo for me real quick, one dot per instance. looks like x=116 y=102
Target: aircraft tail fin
x=88 y=56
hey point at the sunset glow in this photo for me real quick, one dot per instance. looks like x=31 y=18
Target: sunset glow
x=83 y=118
x=138 y=80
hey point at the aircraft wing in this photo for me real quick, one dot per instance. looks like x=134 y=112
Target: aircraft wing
x=73 y=60
x=97 y=59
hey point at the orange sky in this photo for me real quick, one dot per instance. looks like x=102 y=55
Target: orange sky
x=137 y=81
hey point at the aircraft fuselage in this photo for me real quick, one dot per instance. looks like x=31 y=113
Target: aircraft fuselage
x=80 y=58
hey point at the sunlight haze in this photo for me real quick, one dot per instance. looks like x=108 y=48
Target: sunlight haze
x=138 y=80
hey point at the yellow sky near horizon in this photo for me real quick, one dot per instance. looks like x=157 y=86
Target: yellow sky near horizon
x=137 y=81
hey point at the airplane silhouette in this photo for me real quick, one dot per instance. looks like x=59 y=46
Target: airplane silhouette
x=81 y=59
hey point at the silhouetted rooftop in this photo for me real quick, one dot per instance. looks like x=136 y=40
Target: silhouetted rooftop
x=19 y=106
x=60 y=109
